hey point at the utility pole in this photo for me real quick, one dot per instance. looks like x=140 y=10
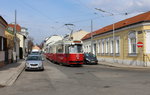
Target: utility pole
x=15 y=40
x=114 y=41
x=91 y=36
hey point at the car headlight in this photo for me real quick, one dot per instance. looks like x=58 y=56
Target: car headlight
x=40 y=64
x=88 y=60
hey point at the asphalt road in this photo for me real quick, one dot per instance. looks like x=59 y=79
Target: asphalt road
x=86 y=80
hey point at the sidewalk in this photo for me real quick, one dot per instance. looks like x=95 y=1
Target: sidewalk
x=10 y=72
x=117 y=65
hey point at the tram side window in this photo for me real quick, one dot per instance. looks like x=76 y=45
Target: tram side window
x=66 y=49
x=60 y=49
x=75 y=49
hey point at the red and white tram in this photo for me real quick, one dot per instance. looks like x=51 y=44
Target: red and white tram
x=66 y=52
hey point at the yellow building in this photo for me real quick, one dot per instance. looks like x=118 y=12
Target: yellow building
x=3 y=46
x=10 y=39
x=118 y=42
x=10 y=44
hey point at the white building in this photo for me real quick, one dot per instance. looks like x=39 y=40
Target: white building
x=50 y=40
x=23 y=35
x=25 y=42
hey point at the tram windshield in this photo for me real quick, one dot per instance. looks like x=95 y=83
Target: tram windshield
x=75 y=49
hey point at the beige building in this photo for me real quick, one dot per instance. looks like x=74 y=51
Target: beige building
x=3 y=41
x=120 y=45
x=76 y=36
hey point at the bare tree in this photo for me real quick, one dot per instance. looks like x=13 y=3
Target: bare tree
x=30 y=44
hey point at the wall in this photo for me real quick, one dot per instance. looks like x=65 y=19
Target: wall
x=2 y=55
x=2 y=58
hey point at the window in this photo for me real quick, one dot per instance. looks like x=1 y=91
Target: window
x=34 y=58
x=98 y=46
x=133 y=45
x=107 y=45
x=103 y=46
x=148 y=41
x=60 y=49
x=111 y=45
x=132 y=42
x=89 y=48
x=3 y=43
x=75 y=49
x=117 y=45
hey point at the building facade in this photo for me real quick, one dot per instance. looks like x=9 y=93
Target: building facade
x=24 y=32
x=10 y=44
x=16 y=49
x=118 y=42
x=3 y=41
x=49 y=41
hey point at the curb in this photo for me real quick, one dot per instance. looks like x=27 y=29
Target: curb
x=124 y=66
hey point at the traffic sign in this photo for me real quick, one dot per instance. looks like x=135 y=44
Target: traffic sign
x=140 y=44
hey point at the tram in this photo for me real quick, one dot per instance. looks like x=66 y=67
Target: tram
x=66 y=53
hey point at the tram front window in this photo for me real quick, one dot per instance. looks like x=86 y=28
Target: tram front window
x=75 y=49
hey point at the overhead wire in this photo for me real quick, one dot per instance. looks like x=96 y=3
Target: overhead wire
x=75 y=21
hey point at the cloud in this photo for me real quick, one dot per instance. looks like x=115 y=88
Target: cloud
x=120 y=5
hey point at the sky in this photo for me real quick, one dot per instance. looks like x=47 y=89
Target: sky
x=45 y=18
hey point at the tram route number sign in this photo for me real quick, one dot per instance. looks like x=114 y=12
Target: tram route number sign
x=140 y=44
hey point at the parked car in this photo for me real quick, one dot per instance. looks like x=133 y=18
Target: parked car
x=34 y=62
x=35 y=53
x=90 y=58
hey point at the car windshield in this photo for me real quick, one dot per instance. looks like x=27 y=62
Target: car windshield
x=75 y=49
x=89 y=55
x=35 y=53
x=34 y=58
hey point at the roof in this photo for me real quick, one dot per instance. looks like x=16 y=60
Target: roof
x=145 y=17
x=3 y=21
x=35 y=47
x=18 y=27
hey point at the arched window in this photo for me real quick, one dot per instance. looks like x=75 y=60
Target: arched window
x=111 y=45
x=117 y=39
x=99 y=45
x=132 y=40
x=107 y=45
x=103 y=46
